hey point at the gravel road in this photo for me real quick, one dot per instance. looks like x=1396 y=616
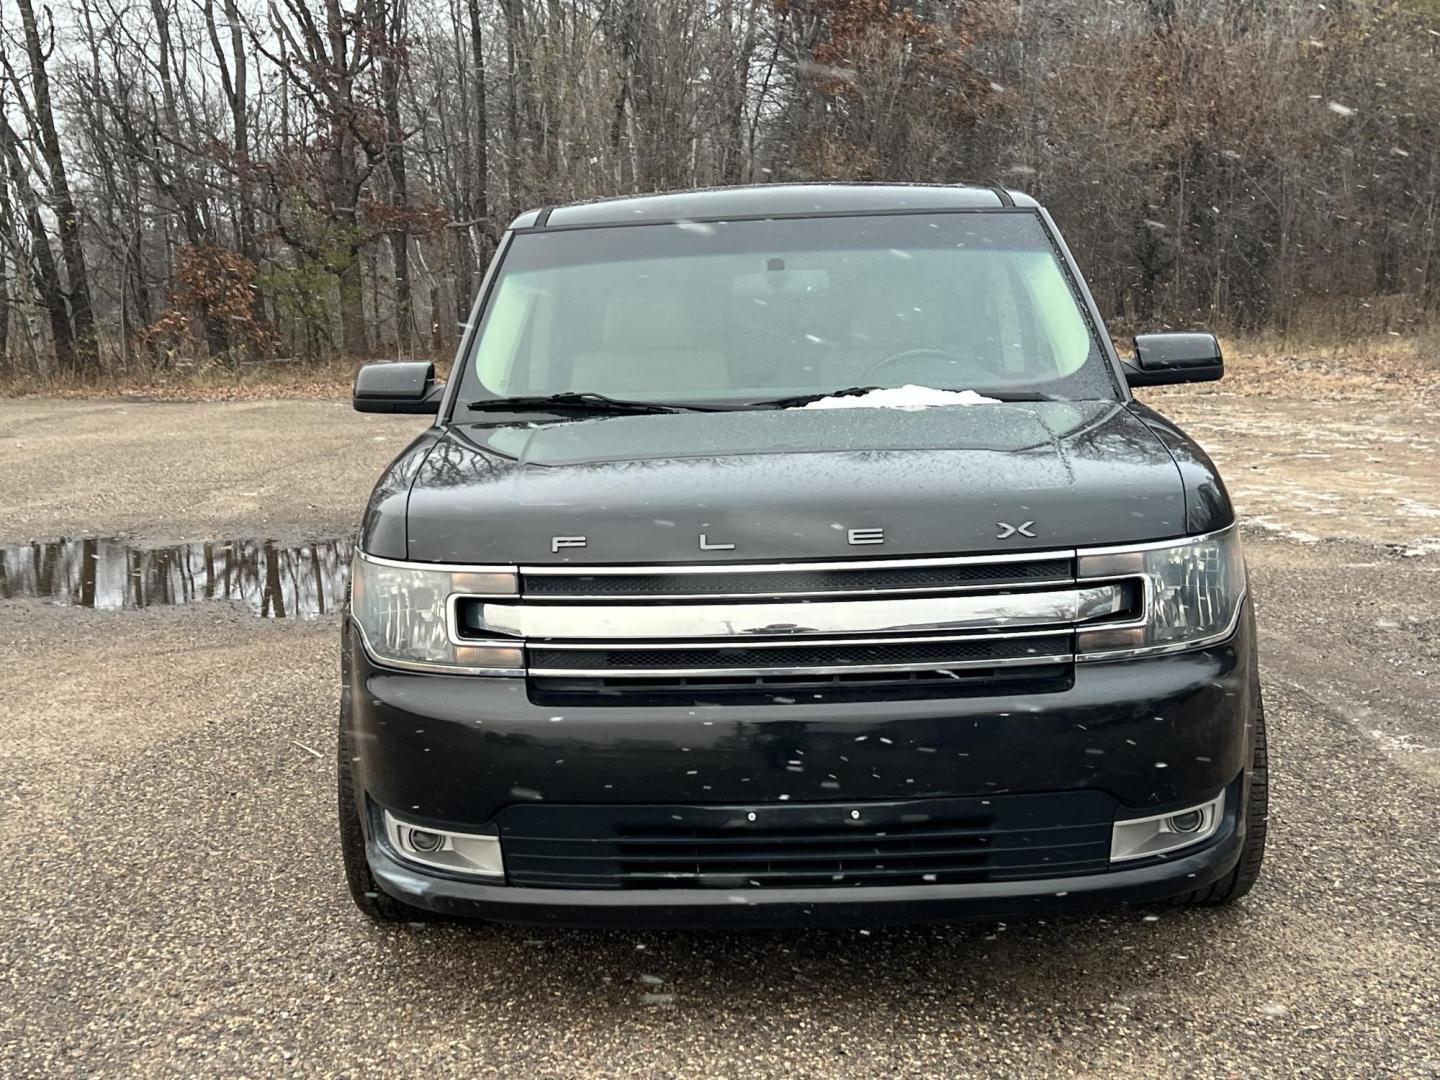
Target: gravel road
x=176 y=904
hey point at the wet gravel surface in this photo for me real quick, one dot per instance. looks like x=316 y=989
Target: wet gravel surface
x=175 y=903
x=176 y=472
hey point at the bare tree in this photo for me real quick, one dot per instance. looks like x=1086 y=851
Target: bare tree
x=39 y=113
x=185 y=178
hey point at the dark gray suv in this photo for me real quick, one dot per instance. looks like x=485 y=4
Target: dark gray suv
x=796 y=555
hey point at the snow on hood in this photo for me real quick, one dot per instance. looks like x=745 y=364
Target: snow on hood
x=909 y=397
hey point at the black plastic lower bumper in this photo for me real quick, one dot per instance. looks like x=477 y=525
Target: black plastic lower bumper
x=842 y=906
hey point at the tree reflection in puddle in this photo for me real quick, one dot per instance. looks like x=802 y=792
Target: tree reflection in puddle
x=275 y=581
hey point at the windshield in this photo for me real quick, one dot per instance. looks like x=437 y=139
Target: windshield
x=753 y=310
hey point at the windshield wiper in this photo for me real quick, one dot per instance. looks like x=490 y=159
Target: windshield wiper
x=576 y=401
x=857 y=391
x=805 y=399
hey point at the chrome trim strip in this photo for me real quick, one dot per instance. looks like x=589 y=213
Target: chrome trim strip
x=792 y=643
x=662 y=569
x=1212 y=813
x=393 y=825
x=441 y=669
x=602 y=621
x=1147 y=597
x=820 y=669
x=452 y=624
x=1159 y=650
x=453 y=568
x=1155 y=545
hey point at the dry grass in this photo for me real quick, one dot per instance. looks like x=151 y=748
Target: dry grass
x=198 y=382
x=1361 y=371
x=328 y=380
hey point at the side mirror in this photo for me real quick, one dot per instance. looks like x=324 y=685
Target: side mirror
x=1162 y=359
x=405 y=387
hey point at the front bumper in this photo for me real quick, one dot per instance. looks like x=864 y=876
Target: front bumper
x=1153 y=735
x=840 y=906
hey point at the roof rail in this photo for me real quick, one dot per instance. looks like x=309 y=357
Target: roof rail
x=1003 y=196
x=542 y=217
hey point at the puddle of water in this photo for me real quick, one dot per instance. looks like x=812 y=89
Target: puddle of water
x=273 y=580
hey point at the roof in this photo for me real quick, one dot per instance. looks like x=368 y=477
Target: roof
x=767 y=200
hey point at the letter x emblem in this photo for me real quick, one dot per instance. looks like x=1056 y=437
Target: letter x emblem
x=1007 y=530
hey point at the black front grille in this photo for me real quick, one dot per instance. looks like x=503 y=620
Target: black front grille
x=835 y=654
x=939 y=841
x=770 y=690
x=776 y=582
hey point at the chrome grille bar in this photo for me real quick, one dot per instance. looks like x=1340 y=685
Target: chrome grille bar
x=595 y=622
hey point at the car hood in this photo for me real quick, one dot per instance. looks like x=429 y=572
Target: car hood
x=785 y=484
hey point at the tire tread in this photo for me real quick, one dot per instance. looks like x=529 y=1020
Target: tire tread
x=1242 y=879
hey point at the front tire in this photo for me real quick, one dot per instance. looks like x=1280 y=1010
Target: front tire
x=1242 y=879
x=364 y=890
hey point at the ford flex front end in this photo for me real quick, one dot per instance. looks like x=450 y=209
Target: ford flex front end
x=796 y=555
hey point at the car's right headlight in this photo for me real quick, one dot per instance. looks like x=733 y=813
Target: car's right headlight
x=1191 y=591
x=404 y=612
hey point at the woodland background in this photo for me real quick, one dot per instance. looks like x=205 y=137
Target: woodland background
x=228 y=181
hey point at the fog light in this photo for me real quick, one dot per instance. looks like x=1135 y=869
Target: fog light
x=1137 y=838
x=1188 y=822
x=474 y=853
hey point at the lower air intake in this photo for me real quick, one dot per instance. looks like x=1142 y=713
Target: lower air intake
x=939 y=841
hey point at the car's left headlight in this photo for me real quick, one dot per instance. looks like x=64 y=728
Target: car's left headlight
x=1191 y=590
x=404 y=612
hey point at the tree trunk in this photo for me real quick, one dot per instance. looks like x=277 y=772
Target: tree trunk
x=82 y=317
x=4 y=302
x=344 y=194
x=733 y=150
x=437 y=342
x=398 y=234
x=178 y=184
x=7 y=231
x=240 y=119
x=47 y=274
x=477 y=235
x=517 y=87
x=353 y=339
